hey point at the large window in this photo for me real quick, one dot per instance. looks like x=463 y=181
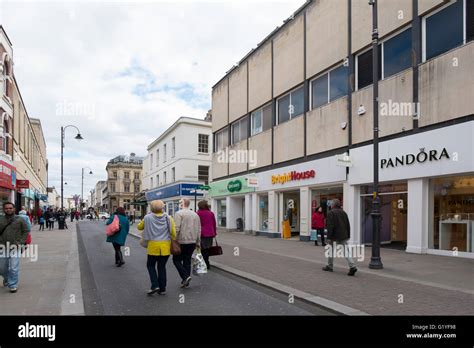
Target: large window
x=329 y=87
x=397 y=53
x=239 y=130
x=173 y=147
x=291 y=105
x=203 y=143
x=164 y=153
x=126 y=187
x=261 y=120
x=114 y=174
x=137 y=176
x=112 y=187
x=222 y=139
x=126 y=175
x=364 y=68
x=203 y=174
x=443 y=30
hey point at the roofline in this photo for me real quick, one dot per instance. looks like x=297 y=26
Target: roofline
x=182 y=119
x=5 y=33
x=265 y=40
x=41 y=127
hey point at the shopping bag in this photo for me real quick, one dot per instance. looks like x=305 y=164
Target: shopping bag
x=199 y=265
x=314 y=235
x=114 y=227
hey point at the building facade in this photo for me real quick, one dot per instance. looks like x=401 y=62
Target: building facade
x=123 y=181
x=178 y=161
x=300 y=107
x=98 y=196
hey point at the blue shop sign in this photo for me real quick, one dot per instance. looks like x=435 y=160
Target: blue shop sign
x=172 y=191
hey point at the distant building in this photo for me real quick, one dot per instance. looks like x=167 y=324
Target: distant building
x=124 y=181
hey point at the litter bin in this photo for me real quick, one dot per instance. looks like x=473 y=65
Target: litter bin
x=240 y=224
x=61 y=221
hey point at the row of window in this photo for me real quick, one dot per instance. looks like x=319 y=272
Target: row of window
x=126 y=175
x=126 y=187
x=443 y=30
x=203 y=175
x=203 y=147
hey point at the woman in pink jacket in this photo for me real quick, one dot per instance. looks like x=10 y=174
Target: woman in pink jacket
x=208 y=229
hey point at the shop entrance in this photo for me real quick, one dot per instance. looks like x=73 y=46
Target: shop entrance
x=291 y=211
x=236 y=213
x=393 y=209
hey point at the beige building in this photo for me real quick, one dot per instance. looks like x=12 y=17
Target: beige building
x=124 y=181
x=300 y=106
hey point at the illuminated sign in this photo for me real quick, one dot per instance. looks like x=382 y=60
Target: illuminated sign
x=293 y=176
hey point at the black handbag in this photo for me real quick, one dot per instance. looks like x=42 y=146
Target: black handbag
x=215 y=250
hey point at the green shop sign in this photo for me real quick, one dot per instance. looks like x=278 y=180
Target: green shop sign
x=229 y=187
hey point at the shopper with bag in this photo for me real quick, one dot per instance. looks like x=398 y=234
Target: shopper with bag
x=318 y=222
x=208 y=229
x=118 y=234
x=188 y=234
x=158 y=233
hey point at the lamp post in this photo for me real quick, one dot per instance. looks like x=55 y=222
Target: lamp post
x=78 y=137
x=82 y=185
x=375 y=261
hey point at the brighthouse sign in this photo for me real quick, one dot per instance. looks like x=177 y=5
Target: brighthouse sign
x=293 y=176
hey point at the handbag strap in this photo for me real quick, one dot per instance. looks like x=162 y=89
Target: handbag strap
x=168 y=224
x=215 y=238
x=9 y=222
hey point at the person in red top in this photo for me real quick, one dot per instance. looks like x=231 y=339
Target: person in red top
x=208 y=229
x=318 y=223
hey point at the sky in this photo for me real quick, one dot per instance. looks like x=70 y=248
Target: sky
x=124 y=71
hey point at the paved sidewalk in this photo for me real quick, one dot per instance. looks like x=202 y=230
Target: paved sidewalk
x=51 y=285
x=409 y=284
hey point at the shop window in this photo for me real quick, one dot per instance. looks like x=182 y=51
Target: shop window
x=443 y=30
x=291 y=105
x=263 y=210
x=397 y=53
x=261 y=120
x=239 y=130
x=221 y=139
x=453 y=214
x=221 y=213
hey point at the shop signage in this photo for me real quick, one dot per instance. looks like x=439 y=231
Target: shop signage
x=173 y=191
x=22 y=184
x=421 y=157
x=293 y=176
x=343 y=160
x=7 y=175
x=252 y=181
x=234 y=186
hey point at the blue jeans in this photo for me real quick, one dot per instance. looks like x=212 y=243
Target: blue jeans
x=10 y=268
x=157 y=280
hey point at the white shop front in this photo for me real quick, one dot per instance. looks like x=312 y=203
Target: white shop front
x=426 y=191
x=293 y=193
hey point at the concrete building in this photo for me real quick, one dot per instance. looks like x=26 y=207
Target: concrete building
x=300 y=106
x=54 y=199
x=123 y=181
x=178 y=161
x=98 y=195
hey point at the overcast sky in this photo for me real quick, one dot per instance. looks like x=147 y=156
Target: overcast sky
x=124 y=71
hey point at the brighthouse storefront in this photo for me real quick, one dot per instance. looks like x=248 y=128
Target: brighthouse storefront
x=293 y=193
x=426 y=191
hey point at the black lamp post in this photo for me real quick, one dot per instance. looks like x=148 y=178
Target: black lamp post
x=78 y=137
x=375 y=261
x=82 y=184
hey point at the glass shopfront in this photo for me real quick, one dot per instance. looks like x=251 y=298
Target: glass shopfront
x=453 y=214
x=221 y=213
x=263 y=213
x=322 y=197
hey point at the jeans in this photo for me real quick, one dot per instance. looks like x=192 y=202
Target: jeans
x=347 y=253
x=183 y=261
x=10 y=268
x=157 y=281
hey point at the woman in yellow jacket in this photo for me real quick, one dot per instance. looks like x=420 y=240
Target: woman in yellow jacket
x=158 y=230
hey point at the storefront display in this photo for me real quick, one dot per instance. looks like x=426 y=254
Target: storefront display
x=221 y=213
x=263 y=213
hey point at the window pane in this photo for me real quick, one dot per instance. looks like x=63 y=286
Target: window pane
x=244 y=129
x=267 y=117
x=319 y=91
x=397 y=53
x=364 y=68
x=297 y=100
x=338 y=82
x=283 y=112
x=235 y=133
x=256 y=121
x=444 y=30
x=469 y=20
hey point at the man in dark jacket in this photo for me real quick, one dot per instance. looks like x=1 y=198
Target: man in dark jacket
x=13 y=234
x=339 y=232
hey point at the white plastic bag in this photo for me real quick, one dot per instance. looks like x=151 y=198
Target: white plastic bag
x=199 y=265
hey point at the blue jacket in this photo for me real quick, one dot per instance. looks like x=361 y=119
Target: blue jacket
x=121 y=235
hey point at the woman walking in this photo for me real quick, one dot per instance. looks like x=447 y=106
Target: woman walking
x=208 y=229
x=318 y=222
x=118 y=239
x=159 y=229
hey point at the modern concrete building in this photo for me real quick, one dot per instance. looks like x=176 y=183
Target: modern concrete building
x=123 y=181
x=293 y=124
x=178 y=161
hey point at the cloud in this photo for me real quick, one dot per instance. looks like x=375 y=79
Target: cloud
x=123 y=72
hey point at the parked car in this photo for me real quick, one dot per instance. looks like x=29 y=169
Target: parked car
x=104 y=216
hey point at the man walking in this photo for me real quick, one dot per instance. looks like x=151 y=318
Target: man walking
x=188 y=234
x=13 y=234
x=337 y=224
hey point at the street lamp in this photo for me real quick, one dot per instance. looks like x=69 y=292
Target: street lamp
x=375 y=261
x=82 y=184
x=77 y=137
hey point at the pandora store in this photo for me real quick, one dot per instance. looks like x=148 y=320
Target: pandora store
x=426 y=192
